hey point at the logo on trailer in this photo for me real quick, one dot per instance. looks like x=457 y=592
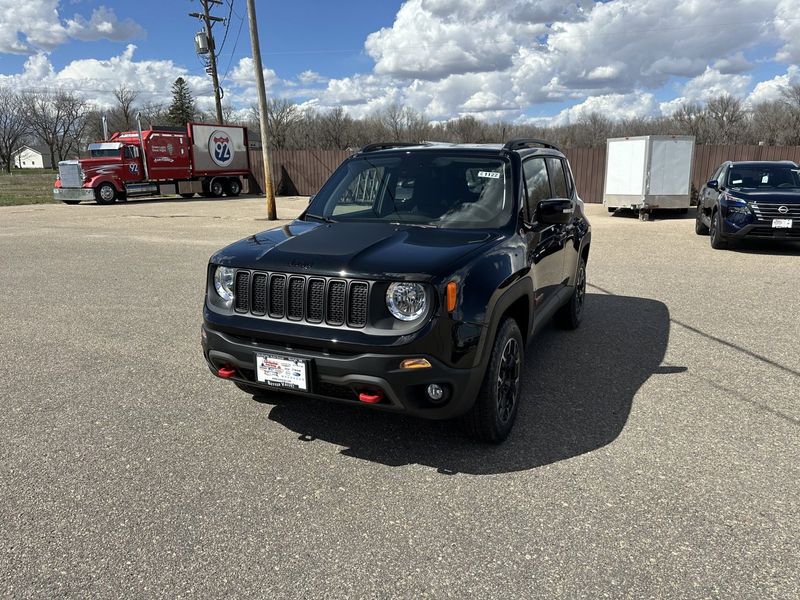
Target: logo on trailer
x=220 y=146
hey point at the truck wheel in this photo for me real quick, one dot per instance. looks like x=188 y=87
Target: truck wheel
x=700 y=227
x=105 y=194
x=569 y=316
x=718 y=242
x=495 y=410
x=216 y=189
x=234 y=186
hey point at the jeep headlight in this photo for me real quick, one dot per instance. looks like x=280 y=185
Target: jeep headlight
x=406 y=301
x=223 y=282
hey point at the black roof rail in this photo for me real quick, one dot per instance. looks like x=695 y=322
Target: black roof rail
x=387 y=145
x=527 y=143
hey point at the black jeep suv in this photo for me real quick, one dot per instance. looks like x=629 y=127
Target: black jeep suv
x=756 y=199
x=412 y=282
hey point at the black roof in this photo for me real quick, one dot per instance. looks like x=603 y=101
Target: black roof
x=523 y=147
x=762 y=163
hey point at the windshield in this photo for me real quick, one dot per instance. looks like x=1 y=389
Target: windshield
x=771 y=177
x=98 y=153
x=421 y=188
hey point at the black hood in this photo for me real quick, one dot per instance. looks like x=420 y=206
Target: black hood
x=369 y=250
x=774 y=196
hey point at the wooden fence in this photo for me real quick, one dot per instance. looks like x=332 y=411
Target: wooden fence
x=302 y=172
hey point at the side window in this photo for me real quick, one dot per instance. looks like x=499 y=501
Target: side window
x=362 y=193
x=723 y=172
x=537 y=182
x=131 y=152
x=558 y=177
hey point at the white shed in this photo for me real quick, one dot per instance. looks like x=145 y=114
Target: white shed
x=28 y=158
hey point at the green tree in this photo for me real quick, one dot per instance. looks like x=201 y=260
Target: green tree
x=182 y=109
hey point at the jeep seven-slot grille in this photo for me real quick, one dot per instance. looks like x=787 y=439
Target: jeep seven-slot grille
x=299 y=298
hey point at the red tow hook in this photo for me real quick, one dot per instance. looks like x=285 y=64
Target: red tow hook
x=226 y=372
x=372 y=397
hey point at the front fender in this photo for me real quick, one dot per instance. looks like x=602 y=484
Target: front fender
x=96 y=182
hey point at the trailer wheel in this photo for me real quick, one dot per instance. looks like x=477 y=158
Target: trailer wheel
x=105 y=193
x=234 y=186
x=216 y=188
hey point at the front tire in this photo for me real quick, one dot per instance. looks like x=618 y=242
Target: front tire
x=570 y=315
x=106 y=193
x=700 y=227
x=495 y=410
x=718 y=241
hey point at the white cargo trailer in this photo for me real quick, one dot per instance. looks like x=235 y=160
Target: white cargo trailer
x=648 y=172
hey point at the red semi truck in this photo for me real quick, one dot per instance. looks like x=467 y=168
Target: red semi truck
x=211 y=160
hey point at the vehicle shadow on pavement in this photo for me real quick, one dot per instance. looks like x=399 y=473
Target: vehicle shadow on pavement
x=774 y=247
x=577 y=394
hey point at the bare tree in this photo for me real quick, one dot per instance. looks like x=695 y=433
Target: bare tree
x=14 y=124
x=335 y=128
x=123 y=116
x=727 y=116
x=791 y=100
x=769 y=122
x=692 y=119
x=58 y=119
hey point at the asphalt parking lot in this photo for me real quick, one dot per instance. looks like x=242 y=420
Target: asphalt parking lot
x=656 y=453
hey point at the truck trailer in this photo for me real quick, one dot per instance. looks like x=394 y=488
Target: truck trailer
x=649 y=172
x=211 y=160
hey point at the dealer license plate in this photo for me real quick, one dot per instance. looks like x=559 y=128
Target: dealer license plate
x=782 y=223
x=282 y=372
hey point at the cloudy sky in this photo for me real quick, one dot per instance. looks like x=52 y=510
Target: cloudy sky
x=517 y=60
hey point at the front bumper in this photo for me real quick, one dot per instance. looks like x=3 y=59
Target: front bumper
x=78 y=194
x=341 y=376
x=740 y=226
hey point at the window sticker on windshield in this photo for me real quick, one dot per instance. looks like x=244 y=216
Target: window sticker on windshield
x=737 y=181
x=489 y=174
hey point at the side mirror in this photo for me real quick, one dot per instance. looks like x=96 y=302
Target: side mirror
x=557 y=211
x=713 y=184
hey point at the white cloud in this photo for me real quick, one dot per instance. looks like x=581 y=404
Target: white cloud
x=787 y=25
x=103 y=24
x=611 y=106
x=28 y=26
x=435 y=38
x=450 y=57
x=96 y=79
x=769 y=90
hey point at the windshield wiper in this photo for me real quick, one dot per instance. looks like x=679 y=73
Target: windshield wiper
x=412 y=224
x=320 y=218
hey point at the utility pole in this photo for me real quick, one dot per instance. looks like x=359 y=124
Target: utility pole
x=210 y=49
x=262 y=109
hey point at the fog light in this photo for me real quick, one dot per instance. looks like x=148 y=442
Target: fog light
x=435 y=391
x=415 y=363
